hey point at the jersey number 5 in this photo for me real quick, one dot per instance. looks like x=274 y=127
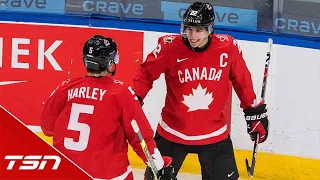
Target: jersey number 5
x=84 y=129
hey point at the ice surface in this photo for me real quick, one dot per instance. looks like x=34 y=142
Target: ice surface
x=138 y=175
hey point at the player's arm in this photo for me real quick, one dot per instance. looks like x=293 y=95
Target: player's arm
x=255 y=115
x=240 y=77
x=131 y=109
x=150 y=70
x=53 y=107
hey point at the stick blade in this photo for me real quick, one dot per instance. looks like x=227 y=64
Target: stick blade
x=248 y=169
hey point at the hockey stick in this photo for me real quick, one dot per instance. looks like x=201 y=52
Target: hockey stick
x=250 y=170
x=145 y=148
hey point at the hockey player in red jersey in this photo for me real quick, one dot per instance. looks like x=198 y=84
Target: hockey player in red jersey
x=198 y=66
x=89 y=118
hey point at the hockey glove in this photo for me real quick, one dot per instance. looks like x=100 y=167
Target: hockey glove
x=166 y=173
x=257 y=122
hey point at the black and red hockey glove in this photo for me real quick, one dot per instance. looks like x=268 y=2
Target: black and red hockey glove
x=166 y=173
x=257 y=122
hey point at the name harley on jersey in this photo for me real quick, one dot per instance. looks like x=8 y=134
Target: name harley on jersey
x=86 y=92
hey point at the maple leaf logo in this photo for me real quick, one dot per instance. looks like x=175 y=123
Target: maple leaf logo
x=198 y=99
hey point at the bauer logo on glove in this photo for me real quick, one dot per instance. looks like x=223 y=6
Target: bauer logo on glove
x=256 y=117
x=257 y=122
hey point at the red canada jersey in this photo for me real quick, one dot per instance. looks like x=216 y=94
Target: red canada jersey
x=89 y=119
x=198 y=84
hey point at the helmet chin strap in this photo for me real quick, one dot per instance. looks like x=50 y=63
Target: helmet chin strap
x=197 y=49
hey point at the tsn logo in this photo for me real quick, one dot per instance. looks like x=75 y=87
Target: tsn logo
x=256 y=117
x=31 y=162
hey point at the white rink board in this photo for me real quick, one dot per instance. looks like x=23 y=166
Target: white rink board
x=292 y=96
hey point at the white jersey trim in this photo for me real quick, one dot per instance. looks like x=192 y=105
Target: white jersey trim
x=121 y=177
x=192 y=138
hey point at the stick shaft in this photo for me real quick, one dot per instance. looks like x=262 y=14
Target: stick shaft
x=145 y=148
x=250 y=170
x=266 y=70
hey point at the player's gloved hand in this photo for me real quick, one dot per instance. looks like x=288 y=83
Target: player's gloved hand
x=257 y=122
x=166 y=173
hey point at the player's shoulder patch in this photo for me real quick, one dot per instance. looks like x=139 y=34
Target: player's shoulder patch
x=224 y=40
x=168 y=41
x=222 y=37
x=119 y=85
x=168 y=38
x=116 y=81
x=124 y=88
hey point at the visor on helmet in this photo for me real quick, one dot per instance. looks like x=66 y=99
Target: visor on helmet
x=185 y=32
